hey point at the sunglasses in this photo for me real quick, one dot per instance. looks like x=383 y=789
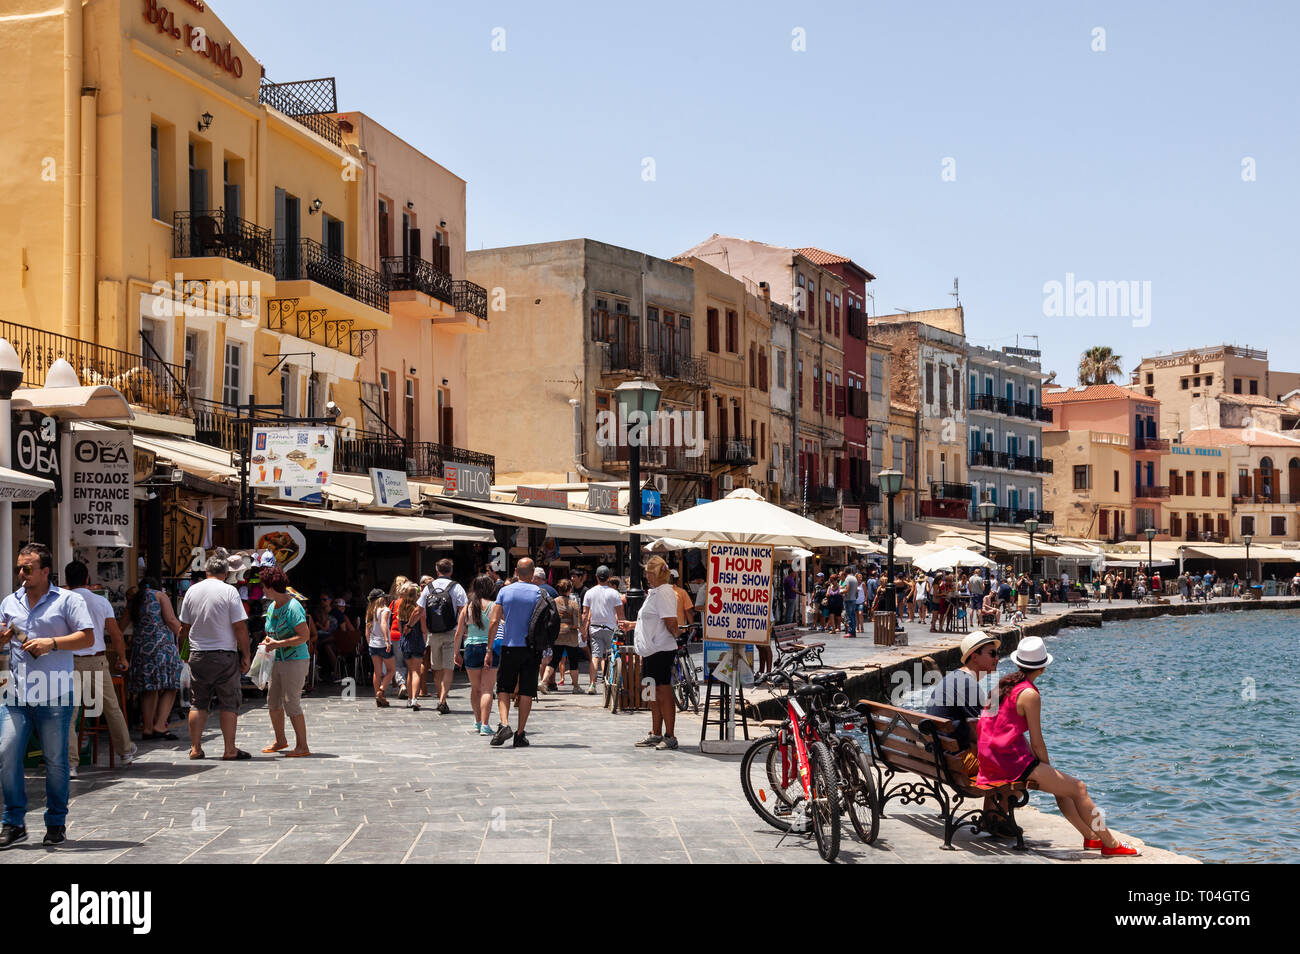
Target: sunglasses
x=23 y=569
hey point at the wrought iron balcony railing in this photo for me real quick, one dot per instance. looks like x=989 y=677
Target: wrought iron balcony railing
x=659 y=460
x=410 y=273
x=147 y=381
x=1151 y=491
x=200 y=234
x=733 y=451
x=1043 y=414
x=947 y=490
x=307 y=102
x=1150 y=444
x=309 y=259
x=617 y=356
x=470 y=298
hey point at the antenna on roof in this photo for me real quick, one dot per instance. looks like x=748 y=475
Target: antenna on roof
x=872 y=297
x=955 y=293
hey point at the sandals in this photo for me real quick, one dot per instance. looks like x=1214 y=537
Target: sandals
x=274 y=747
x=295 y=754
x=239 y=756
x=198 y=755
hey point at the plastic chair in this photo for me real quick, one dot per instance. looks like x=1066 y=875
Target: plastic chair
x=95 y=726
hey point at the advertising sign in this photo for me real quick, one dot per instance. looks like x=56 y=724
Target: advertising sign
x=467 y=481
x=291 y=457
x=182 y=536
x=651 y=504
x=36 y=451
x=602 y=499
x=391 y=488
x=542 y=497
x=144 y=464
x=738 y=598
x=284 y=540
x=103 y=486
x=852 y=519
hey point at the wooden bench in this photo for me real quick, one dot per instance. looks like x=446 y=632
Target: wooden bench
x=914 y=743
x=1076 y=596
x=786 y=638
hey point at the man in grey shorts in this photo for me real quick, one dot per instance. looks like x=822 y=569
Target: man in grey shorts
x=602 y=608
x=213 y=619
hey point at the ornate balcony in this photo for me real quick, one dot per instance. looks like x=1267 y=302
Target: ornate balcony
x=469 y=298
x=310 y=103
x=618 y=358
x=1151 y=444
x=732 y=452
x=201 y=234
x=410 y=273
x=310 y=260
x=1151 y=491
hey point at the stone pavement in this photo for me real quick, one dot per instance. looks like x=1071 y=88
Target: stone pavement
x=390 y=785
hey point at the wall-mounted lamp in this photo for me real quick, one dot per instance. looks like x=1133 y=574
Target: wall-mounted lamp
x=442 y=223
x=314 y=207
x=204 y=122
x=444 y=382
x=410 y=204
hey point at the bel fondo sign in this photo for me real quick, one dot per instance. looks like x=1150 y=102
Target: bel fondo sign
x=738 y=600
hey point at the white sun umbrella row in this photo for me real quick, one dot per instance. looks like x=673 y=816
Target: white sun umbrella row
x=672 y=545
x=951 y=558
x=744 y=517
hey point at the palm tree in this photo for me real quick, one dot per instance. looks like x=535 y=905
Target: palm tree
x=1098 y=365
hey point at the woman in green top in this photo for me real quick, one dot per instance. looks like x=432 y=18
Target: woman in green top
x=286 y=633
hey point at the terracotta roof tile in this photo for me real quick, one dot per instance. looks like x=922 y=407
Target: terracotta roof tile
x=820 y=256
x=1094 y=392
x=1254 y=400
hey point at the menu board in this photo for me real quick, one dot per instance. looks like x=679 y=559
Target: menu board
x=291 y=457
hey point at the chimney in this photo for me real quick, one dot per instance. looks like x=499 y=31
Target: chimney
x=766 y=290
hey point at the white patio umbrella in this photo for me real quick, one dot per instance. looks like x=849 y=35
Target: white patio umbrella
x=743 y=517
x=950 y=559
x=672 y=545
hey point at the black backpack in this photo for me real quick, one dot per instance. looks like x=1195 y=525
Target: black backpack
x=440 y=609
x=544 y=624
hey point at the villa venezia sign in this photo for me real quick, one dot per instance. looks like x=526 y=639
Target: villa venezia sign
x=196 y=38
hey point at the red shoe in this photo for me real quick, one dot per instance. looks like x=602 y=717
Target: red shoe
x=1121 y=849
x=1092 y=844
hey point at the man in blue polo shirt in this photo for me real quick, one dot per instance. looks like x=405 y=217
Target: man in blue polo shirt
x=517 y=667
x=41 y=624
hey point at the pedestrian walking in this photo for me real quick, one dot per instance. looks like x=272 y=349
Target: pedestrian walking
x=440 y=605
x=851 y=590
x=408 y=633
x=474 y=649
x=155 y=665
x=214 y=621
x=602 y=610
x=286 y=634
x=517 y=672
x=566 y=645
x=42 y=625
x=655 y=641
x=380 y=647
x=399 y=673
x=94 y=677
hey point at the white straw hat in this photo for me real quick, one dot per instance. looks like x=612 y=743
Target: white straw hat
x=1031 y=654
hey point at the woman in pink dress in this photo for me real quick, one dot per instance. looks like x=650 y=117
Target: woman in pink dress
x=1007 y=755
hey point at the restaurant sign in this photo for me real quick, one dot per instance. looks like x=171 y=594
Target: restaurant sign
x=103 y=489
x=602 y=499
x=391 y=488
x=542 y=497
x=291 y=457
x=466 y=481
x=36 y=450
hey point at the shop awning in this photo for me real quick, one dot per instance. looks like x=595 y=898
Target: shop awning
x=95 y=402
x=1262 y=554
x=560 y=524
x=380 y=527
x=193 y=457
x=17 y=487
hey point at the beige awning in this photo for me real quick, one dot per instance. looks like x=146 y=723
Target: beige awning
x=561 y=524
x=96 y=402
x=17 y=487
x=381 y=527
x=1263 y=554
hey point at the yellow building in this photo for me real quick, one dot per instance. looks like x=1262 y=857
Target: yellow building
x=185 y=229
x=1263 y=481
x=1200 y=485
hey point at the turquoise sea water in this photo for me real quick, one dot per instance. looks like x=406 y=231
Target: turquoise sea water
x=1185 y=730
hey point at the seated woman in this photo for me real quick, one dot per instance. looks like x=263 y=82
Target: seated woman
x=1007 y=755
x=989 y=609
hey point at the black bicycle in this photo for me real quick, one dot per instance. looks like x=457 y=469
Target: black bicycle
x=686 y=678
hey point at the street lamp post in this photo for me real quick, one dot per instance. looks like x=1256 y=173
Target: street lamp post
x=1246 y=540
x=11 y=375
x=639 y=400
x=1151 y=535
x=987 y=511
x=1031 y=527
x=891 y=482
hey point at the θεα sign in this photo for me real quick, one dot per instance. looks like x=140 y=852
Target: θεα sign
x=102 y=480
x=36 y=451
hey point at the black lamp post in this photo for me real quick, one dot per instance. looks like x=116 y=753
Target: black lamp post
x=1246 y=540
x=1151 y=535
x=891 y=482
x=639 y=400
x=987 y=511
x=1031 y=527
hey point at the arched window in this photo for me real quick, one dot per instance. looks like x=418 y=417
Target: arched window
x=1266 y=465
x=1294 y=463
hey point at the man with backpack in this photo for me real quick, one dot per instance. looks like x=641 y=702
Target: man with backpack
x=529 y=624
x=440 y=605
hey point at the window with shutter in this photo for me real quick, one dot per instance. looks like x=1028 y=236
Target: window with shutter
x=713 y=330
x=817 y=388
x=753 y=366
x=733 y=344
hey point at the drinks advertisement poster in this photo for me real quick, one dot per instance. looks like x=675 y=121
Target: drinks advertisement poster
x=291 y=457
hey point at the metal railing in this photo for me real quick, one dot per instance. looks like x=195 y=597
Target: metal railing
x=411 y=273
x=734 y=451
x=201 y=234
x=1150 y=444
x=470 y=298
x=307 y=102
x=146 y=382
x=1151 y=491
x=309 y=259
x=617 y=356
x=660 y=460
x=861 y=493
x=1002 y=515
x=823 y=495
x=948 y=490
x=1043 y=414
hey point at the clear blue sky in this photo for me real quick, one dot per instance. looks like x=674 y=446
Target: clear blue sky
x=1116 y=165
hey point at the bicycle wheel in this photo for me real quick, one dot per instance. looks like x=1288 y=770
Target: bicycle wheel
x=692 y=687
x=609 y=684
x=760 y=778
x=616 y=679
x=861 y=798
x=679 y=684
x=825 y=808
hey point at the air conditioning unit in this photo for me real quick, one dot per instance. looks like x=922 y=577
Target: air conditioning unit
x=661 y=483
x=655 y=457
x=725 y=482
x=772 y=475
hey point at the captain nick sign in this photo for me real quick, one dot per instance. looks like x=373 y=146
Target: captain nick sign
x=101 y=478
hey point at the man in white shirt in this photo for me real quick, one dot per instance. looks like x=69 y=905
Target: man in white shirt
x=439 y=634
x=214 y=621
x=94 y=679
x=602 y=609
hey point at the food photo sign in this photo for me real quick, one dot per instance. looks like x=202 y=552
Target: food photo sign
x=291 y=457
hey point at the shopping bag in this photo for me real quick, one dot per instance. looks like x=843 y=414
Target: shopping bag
x=260 y=671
